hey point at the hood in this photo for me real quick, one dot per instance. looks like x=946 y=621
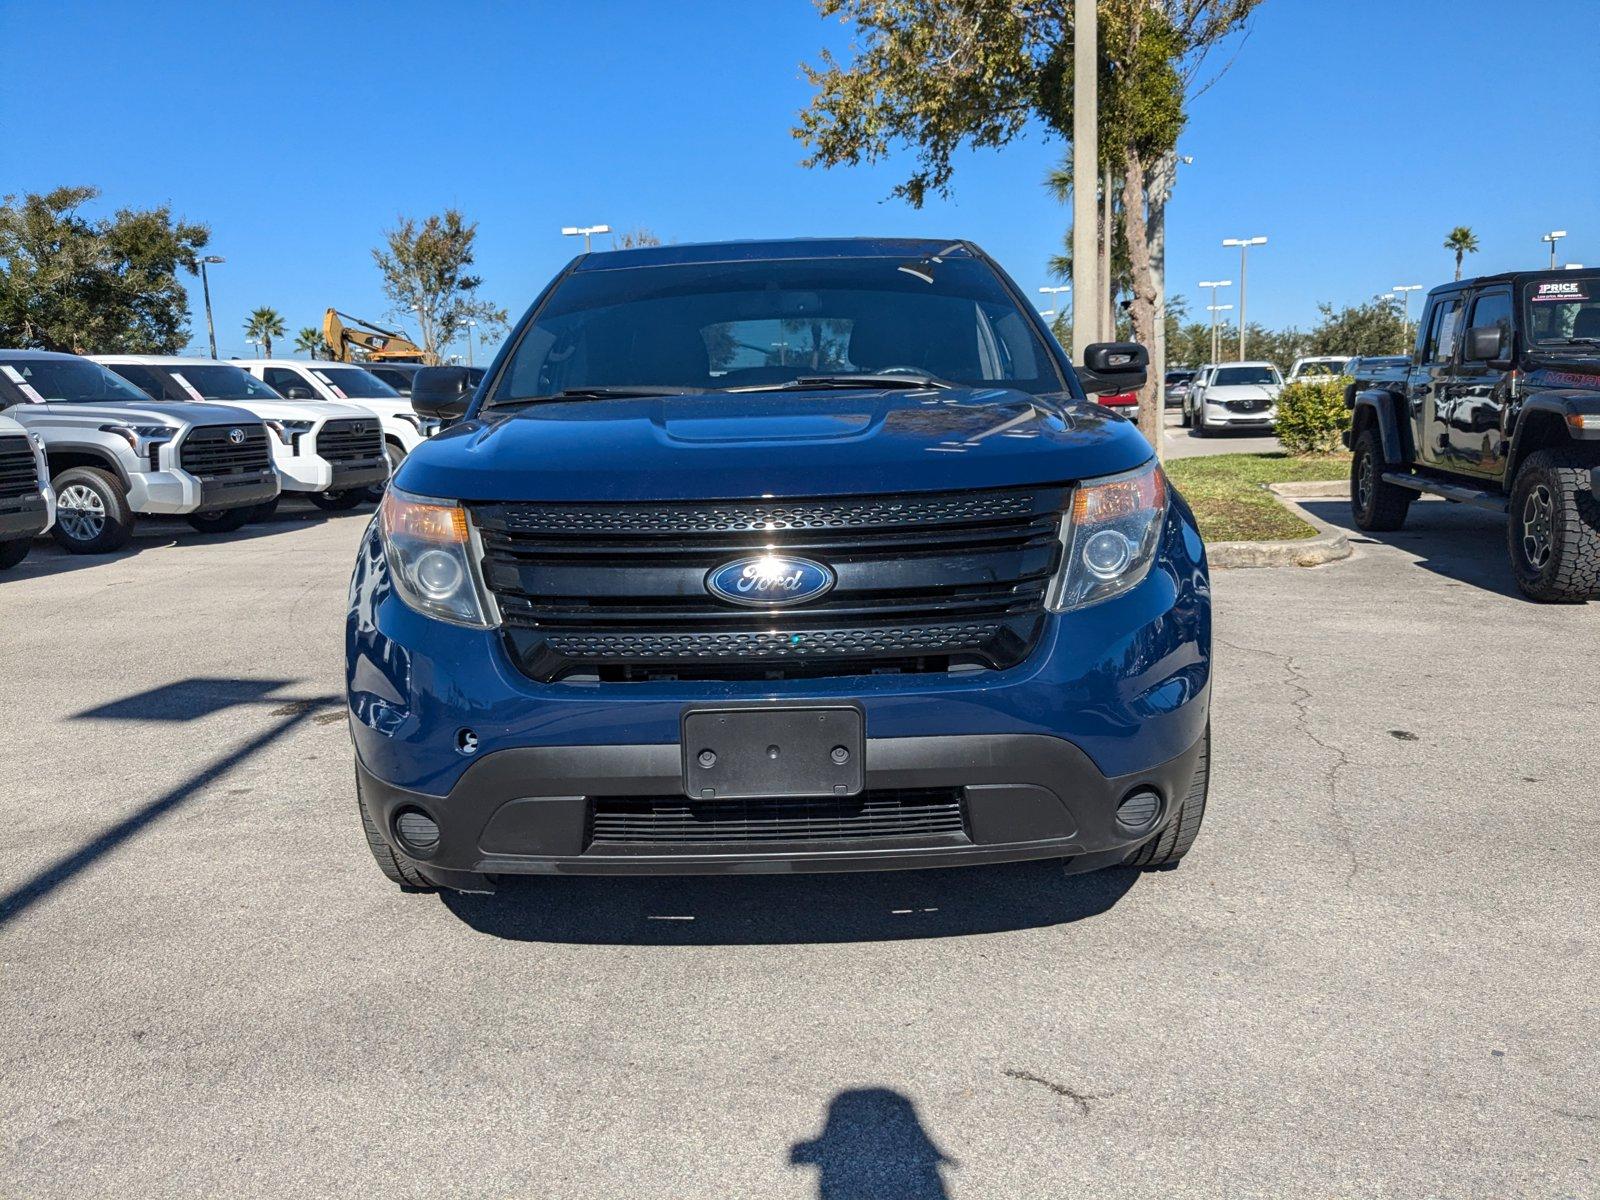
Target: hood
x=293 y=410
x=156 y=412
x=382 y=406
x=1243 y=391
x=9 y=428
x=717 y=446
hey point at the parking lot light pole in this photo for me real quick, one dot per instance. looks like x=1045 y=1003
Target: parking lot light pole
x=1405 y=290
x=471 y=325
x=1214 y=309
x=1055 y=298
x=255 y=346
x=1214 y=284
x=205 y=286
x=1244 y=245
x=585 y=232
x=1554 y=236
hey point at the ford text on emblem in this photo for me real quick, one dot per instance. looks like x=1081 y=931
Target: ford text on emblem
x=771 y=579
x=236 y=436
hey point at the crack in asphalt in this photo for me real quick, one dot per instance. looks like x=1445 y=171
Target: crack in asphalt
x=1079 y=1099
x=1300 y=701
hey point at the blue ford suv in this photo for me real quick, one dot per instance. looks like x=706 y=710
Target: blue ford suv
x=779 y=556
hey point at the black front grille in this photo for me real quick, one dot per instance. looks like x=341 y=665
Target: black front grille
x=19 y=474
x=871 y=816
x=924 y=583
x=350 y=441
x=212 y=452
x=1253 y=405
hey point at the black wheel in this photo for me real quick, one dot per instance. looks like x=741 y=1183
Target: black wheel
x=92 y=513
x=1554 y=529
x=265 y=511
x=337 y=501
x=13 y=552
x=1173 y=842
x=396 y=866
x=1201 y=429
x=396 y=456
x=1378 y=507
x=229 y=520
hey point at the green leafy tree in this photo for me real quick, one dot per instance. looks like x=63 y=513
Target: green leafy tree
x=264 y=324
x=940 y=77
x=110 y=285
x=426 y=274
x=1376 y=327
x=309 y=341
x=1461 y=241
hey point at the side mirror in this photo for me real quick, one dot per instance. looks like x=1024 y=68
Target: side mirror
x=1113 y=367
x=441 y=392
x=297 y=391
x=1485 y=343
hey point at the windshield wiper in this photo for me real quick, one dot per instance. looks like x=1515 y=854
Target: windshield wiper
x=1572 y=341
x=865 y=380
x=599 y=392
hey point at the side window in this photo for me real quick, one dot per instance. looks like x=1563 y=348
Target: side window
x=1443 y=329
x=1492 y=308
x=279 y=378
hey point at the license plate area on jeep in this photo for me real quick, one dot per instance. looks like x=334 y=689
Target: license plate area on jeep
x=773 y=752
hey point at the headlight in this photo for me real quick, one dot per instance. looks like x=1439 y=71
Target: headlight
x=142 y=439
x=289 y=431
x=1109 y=537
x=433 y=559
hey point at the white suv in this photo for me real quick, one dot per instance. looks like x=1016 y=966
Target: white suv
x=1239 y=395
x=329 y=453
x=347 y=383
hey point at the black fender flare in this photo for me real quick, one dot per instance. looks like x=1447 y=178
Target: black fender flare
x=102 y=456
x=1380 y=403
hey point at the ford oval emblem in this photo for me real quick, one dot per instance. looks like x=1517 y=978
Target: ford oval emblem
x=771 y=579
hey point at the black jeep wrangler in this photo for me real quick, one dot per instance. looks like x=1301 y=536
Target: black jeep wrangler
x=1498 y=407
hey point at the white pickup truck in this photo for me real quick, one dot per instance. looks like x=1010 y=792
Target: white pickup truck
x=329 y=453
x=27 y=501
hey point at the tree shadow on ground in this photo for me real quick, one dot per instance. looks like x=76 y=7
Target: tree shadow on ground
x=738 y=910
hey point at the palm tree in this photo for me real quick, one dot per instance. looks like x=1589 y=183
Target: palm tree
x=266 y=324
x=309 y=342
x=1463 y=241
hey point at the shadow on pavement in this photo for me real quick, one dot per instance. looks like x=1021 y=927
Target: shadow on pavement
x=737 y=910
x=873 y=1145
x=187 y=700
x=1461 y=543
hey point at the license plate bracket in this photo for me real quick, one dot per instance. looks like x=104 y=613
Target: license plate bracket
x=772 y=752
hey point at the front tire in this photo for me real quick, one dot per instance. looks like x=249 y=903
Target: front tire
x=1553 y=531
x=265 y=511
x=92 y=513
x=1172 y=843
x=229 y=520
x=1201 y=429
x=397 y=867
x=338 y=501
x=1378 y=507
x=12 y=553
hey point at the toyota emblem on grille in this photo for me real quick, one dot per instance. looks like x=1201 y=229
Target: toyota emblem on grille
x=358 y=428
x=771 y=579
x=236 y=436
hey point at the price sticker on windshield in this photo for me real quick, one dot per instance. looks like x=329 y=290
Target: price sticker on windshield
x=194 y=393
x=1562 y=290
x=23 y=385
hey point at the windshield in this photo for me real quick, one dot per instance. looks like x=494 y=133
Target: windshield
x=354 y=382
x=1231 y=376
x=221 y=382
x=1331 y=366
x=708 y=326
x=71 y=381
x=1560 y=310
x=1179 y=376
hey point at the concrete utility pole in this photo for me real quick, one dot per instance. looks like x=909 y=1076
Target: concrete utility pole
x=1085 y=170
x=1554 y=236
x=205 y=286
x=1405 y=290
x=1244 y=245
x=585 y=232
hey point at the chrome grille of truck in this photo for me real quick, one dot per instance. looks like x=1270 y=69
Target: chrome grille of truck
x=210 y=451
x=350 y=441
x=19 y=476
x=925 y=583
x=674 y=820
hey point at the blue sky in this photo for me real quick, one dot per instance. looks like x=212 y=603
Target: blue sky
x=1352 y=133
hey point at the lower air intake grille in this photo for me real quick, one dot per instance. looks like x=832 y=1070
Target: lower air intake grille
x=19 y=474
x=677 y=821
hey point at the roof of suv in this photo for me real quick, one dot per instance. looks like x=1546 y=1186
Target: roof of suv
x=766 y=251
x=166 y=360
x=1517 y=277
x=38 y=354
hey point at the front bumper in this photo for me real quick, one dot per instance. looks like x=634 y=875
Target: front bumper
x=27 y=516
x=1217 y=416
x=1022 y=796
x=177 y=493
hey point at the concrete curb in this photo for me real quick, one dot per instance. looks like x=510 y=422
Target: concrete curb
x=1330 y=545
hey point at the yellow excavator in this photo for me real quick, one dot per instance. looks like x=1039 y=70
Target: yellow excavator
x=351 y=339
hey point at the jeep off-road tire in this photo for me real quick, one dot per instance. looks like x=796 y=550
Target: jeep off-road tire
x=396 y=866
x=228 y=520
x=1378 y=507
x=1553 y=528
x=338 y=501
x=13 y=552
x=1173 y=842
x=92 y=513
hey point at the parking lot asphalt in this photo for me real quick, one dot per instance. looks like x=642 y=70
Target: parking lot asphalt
x=1375 y=975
